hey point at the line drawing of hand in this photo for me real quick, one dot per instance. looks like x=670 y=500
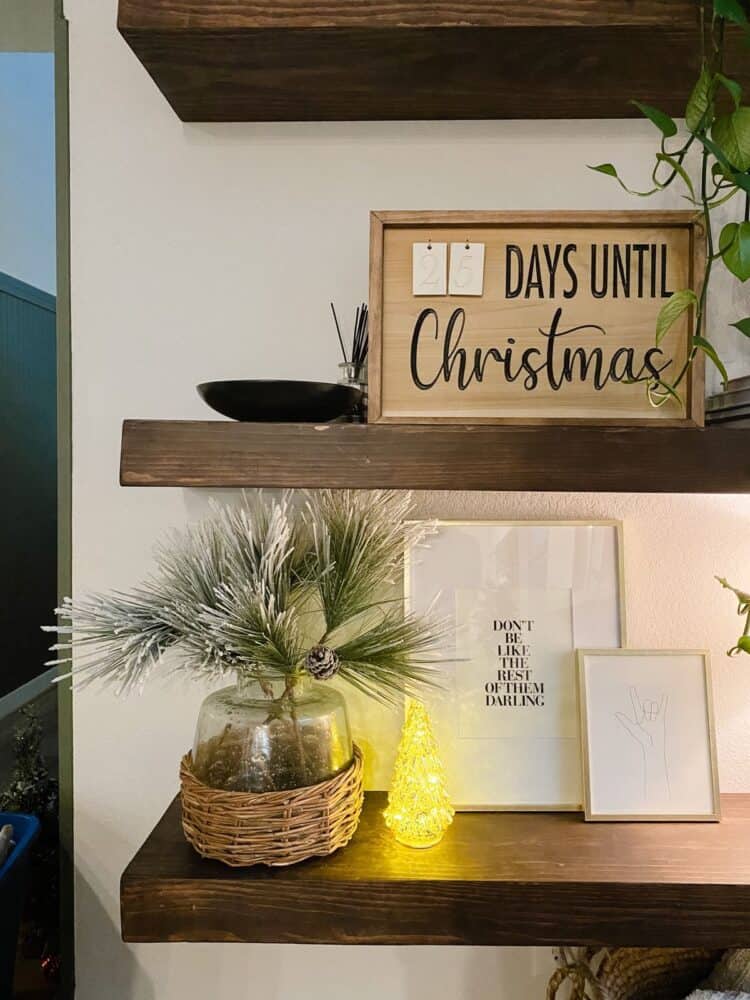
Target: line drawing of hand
x=648 y=727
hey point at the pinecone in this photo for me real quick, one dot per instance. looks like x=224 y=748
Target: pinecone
x=322 y=663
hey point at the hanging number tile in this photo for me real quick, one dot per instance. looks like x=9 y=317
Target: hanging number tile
x=467 y=269
x=429 y=268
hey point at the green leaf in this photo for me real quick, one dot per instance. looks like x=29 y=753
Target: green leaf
x=743 y=326
x=742 y=180
x=678 y=169
x=732 y=86
x=713 y=148
x=699 y=111
x=661 y=119
x=734 y=246
x=605 y=168
x=671 y=311
x=710 y=351
x=731 y=133
x=727 y=236
x=731 y=10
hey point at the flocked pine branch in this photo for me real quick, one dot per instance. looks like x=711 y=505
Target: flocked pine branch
x=121 y=637
x=118 y=637
x=394 y=657
x=260 y=634
x=238 y=591
x=265 y=544
x=361 y=537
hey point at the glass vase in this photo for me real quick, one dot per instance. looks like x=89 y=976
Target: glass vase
x=271 y=733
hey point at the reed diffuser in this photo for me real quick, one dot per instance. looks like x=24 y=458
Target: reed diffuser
x=353 y=369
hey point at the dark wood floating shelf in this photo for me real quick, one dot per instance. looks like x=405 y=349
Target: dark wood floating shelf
x=309 y=60
x=218 y=453
x=496 y=879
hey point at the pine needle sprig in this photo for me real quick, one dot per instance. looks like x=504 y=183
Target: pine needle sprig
x=118 y=637
x=253 y=588
x=260 y=634
x=191 y=564
x=265 y=544
x=361 y=539
x=394 y=657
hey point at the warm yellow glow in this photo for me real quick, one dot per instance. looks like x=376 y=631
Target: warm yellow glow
x=419 y=811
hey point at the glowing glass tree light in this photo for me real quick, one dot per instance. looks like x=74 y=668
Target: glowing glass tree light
x=419 y=811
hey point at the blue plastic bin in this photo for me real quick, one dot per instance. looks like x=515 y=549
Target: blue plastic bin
x=13 y=879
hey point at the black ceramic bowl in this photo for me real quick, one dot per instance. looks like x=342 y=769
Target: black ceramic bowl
x=281 y=401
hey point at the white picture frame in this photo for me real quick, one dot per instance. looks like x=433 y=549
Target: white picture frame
x=568 y=574
x=647 y=735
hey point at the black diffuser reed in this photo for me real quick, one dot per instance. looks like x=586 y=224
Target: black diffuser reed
x=356 y=361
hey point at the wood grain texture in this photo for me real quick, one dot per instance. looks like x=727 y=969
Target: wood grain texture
x=644 y=460
x=302 y=60
x=246 y=14
x=496 y=879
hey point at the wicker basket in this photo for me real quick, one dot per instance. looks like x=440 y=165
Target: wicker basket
x=271 y=828
x=631 y=973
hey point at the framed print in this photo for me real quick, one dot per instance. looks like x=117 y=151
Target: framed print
x=647 y=733
x=522 y=597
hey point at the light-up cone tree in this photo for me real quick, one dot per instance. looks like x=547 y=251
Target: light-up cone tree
x=419 y=810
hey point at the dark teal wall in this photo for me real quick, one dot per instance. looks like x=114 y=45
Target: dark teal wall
x=28 y=479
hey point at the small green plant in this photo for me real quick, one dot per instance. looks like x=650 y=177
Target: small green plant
x=267 y=588
x=743 y=608
x=32 y=789
x=718 y=126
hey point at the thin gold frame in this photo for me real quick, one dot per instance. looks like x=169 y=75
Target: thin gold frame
x=583 y=715
x=618 y=527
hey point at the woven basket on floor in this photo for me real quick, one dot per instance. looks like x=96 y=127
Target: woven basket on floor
x=271 y=828
x=632 y=973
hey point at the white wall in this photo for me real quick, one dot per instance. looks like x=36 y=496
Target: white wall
x=204 y=251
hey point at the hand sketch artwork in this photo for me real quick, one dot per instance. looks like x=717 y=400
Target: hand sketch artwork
x=648 y=727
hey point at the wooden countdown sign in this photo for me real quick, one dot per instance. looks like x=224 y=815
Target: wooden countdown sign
x=508 y=317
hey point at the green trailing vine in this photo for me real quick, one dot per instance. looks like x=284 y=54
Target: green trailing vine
x=718 y=128
x=743 y=610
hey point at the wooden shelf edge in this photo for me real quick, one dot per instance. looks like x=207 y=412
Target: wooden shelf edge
x=216 y=454
x=250 y=15
x=404 y=60
x=496 y=879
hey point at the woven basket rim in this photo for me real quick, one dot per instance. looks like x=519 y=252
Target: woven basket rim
x=186 y=772
x=276 y=828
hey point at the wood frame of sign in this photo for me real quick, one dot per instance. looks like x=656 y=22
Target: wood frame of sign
x=565 y=321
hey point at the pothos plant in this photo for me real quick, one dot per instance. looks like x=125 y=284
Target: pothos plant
x=743 y=609
x=718 y=128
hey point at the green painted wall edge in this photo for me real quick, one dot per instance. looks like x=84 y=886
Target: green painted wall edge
x=64 y=493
